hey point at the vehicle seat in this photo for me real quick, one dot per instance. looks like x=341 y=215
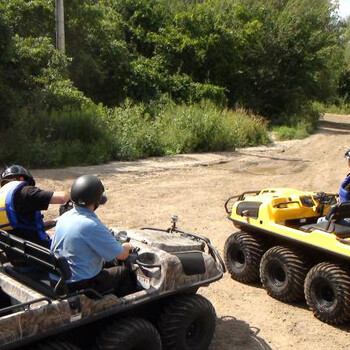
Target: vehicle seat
x=332 y=224
x=40 y=261
x=36 y=279
x=250 y=209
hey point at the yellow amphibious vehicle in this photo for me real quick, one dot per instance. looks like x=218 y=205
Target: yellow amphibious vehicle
x=295 y=257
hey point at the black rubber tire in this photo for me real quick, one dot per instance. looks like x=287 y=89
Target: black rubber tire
x=55 y=345
x=242 y=253
x=283 y=272
x=327 y=292
x=187 y=322
x=129 y=334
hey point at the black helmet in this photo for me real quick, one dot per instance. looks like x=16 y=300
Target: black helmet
x=347 y=154
x=15 y=172
x=88 y=189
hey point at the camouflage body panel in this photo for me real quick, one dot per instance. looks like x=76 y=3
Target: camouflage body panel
x=16 y=326
x=18 y=291
x=159 y=247
x=91 y=307
x=170 y=242
x=171 y=275
x=212 y=269
x=156 y=247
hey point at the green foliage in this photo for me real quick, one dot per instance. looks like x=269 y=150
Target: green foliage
x=291 y=132
x=150 y=80
x=30 y=18
x=57 y=138
x=95 y=135
x=135 y=132
x=6 y=95
x=35 y=77
x=340 y=106
x=301 y=125
x=43 y=71
x=204 y=127
x=96 y=42
x=299 y=40
x=269 y=57
x=182 y=129
x=195 y=128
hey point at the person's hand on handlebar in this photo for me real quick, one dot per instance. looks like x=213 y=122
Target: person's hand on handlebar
x=127 y=248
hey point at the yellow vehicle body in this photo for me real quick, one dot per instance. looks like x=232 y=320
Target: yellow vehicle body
x=288 y=213
x=283 y=243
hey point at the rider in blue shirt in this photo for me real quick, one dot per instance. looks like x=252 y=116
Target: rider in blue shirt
x=344 y=192
x=86 y=246
x=87 y=243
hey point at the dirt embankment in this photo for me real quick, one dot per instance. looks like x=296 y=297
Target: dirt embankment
x=148 y=192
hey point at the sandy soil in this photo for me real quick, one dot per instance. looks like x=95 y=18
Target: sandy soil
x=148 y=192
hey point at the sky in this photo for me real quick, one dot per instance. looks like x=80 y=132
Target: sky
x=344 y=8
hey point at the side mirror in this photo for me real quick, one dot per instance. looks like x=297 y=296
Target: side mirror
x=122 y=236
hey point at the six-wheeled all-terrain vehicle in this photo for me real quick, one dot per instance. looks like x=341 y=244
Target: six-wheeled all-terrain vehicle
x=165 y=313
x=281 y=242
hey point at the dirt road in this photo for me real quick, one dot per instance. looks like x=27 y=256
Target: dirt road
x=148 y=192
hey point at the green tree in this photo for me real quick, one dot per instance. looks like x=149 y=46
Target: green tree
x=6 y=93
x=100 y=59
x=30 y=18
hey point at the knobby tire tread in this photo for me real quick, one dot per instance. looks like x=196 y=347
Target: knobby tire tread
x=297 y=268
x=254 y=250
x=340 y=278
x=120 y=334
x=175 y=314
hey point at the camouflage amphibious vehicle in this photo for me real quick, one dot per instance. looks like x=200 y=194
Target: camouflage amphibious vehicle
x=283 y=243
x=165 y=312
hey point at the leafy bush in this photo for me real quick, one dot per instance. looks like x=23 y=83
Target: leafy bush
x=291 y=132
x=136 y=134
x=151 y=79
x=193 y=128
x=43 y=71
x=57 y=138
x=35 y=78
x=299 y=125
x=340 y=106
x=177 y=129
x=94 y=135
x=30 y=18
x=247 y=129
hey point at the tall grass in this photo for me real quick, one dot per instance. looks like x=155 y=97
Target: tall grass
x=96 y=135
x=300 y=125
x=204 y=127
x=57 y=139
x=338 y=107
x=200 y=127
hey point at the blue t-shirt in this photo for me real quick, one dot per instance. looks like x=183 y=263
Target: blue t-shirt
x=86 y=243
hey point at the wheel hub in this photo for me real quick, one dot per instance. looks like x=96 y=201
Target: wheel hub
x=324 y=293
x=277 y=274
x=238 y=258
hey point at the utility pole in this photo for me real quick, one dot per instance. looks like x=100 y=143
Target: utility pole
x=59 y=13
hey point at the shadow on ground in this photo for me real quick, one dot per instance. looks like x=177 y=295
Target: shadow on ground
x=233 y=334
x=333 y=128
x=259 y=155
